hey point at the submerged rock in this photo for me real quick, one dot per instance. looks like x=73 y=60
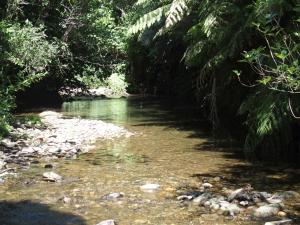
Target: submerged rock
x=230 y=208
x=185 y=197
x=200 y=200
x=287 y=195
x=52 y=177
x=150 y=187
x=207 y=185
x=281 y=222
x=267 y=210
x=107 y=222
x=113 y=196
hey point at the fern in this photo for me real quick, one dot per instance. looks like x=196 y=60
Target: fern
x=142 y=2
x=148 y=20
x=267 y=117
x=171 y=13
x=176 y=13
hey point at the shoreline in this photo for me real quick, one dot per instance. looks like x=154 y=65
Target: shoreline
x=59 y=138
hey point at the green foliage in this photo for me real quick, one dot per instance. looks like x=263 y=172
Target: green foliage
x=117 y=84
x=90 y=77
x=267 y=118
x=216 y=36
x=30 y=52
x=30 y=121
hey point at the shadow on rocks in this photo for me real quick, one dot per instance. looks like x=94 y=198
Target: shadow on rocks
x=33 y=213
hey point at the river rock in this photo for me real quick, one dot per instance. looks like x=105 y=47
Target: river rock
x=107 y=222
x=244 y=203
x=217 y=179
x=287 y=195
x=150 y=187
x=234 y=194
x=281 y=214
x=2 y=164
x=113 y=196
x=207 y=185
x=267 y=210
x=185 y=197
x=27 y=150
x=7 y=143
x=230 y=208
x=200 y=200
x=281 y=222
x=52 y=177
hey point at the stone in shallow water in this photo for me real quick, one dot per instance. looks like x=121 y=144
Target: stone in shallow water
x=207 y=185
x=51 y=176
x=150 y=187
x=107 y=222
x=113 y=196
x=281 y=222
x=267 y=210
x=287 y=195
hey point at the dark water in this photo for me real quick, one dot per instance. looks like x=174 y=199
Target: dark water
x=171 y=148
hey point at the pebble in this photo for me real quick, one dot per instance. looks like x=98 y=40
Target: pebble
x=150 y=187
x=66 y=200
x=184 y=197
x=200 y=200
x=244 y=203
x=52 y=177
x=107 y=222
x=207 y=185
x=217 y=179
x=281 y=222
x=114 y=196
x=282 y=214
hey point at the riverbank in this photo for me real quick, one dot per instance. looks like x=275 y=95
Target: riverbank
x=58 y=137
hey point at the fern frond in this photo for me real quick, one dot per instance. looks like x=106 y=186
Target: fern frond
x=149 y=19
x=176 y=13
x=142 y=2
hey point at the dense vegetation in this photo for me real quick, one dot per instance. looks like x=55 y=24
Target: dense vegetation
x=238 y=58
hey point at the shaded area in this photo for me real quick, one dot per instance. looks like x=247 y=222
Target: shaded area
x=33 y=213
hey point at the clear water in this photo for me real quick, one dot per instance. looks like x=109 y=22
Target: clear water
x=170 y=148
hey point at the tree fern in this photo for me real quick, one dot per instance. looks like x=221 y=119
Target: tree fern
x=172 y=13
x=176 y=13
x=148 y=20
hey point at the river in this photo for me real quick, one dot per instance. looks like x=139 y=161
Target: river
x=171 y=147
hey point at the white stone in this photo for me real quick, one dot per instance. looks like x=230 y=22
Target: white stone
x=107 y=222
x=267 y=210
x=51 y=176
x=150 y=187
x=281 y=222
x=207 y=185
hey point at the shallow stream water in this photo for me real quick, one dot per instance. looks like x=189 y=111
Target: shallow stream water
x=171 y=147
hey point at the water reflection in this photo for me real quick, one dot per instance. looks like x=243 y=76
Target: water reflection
x=114 y=111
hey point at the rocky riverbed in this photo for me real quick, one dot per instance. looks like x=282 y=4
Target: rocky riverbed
x=244 y=203
x=58 y=137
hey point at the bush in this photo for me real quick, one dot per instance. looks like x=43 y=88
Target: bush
x=117 y=84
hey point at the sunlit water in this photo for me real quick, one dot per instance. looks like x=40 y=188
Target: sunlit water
x=170 y=148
